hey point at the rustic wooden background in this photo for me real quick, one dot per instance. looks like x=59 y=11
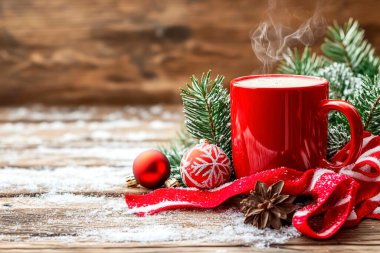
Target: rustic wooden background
x=136 y=51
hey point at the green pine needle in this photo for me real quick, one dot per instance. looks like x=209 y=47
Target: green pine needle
x=306 y=63
x=343 y=82
x=338 y=136
x=206 y=105
x=347 y=45
x=367 y=101
x=175 y=151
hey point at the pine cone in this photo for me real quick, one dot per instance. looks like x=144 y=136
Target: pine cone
x=266 y=207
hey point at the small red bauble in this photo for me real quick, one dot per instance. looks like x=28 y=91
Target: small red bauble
x=151 y=168
x=205 y=166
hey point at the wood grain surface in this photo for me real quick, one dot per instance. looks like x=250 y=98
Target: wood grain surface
x=62 y=184
x=133 y=51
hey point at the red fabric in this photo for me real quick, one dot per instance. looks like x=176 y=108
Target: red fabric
x=340 y=198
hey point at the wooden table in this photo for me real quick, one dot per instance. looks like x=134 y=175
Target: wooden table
x=62 y=181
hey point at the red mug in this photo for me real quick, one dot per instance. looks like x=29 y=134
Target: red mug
x=281 y=120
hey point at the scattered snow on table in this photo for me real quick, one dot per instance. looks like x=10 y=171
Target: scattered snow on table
x=47 y=148
x=42 y=113
x=62 y=179
x=232 y=230
x=34 y=138
x=107 y=220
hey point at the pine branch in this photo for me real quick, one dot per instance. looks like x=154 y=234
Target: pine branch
x=367 y=101
x=206 y=106
x=207 y=116
x=343 y=82
x=338 y=136
x=372 y=113
x=347 y=45
x=306 y=63
x=175 y=151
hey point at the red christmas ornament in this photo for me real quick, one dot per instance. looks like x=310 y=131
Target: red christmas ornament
x=205 y=166
x=151 y=168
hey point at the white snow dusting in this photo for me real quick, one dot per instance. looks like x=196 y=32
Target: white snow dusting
x=62 y=179
x=102 y=219
x=232 y=230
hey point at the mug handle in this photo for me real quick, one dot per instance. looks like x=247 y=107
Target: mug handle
x=356 y=128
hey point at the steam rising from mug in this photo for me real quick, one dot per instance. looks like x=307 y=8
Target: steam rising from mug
x=271 y=38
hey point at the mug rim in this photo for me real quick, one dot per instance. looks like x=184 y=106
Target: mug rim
x=323 y=81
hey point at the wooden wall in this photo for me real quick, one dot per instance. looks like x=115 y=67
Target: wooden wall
x=135 y=51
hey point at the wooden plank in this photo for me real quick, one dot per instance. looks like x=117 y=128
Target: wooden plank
x=143 y=249
x=60 y=149
x=104 y=180
x=37 y=113
x=67 y=218
x=55 y=220
x=47 y=247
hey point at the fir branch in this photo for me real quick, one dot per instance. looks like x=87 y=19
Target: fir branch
x=343 y=82
x=175 y=151
x=367 y=101
x=306 y=63
x=206 y=106
x=338 y=136
x=347 y=45
x=372 y=113
x=338 y=133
